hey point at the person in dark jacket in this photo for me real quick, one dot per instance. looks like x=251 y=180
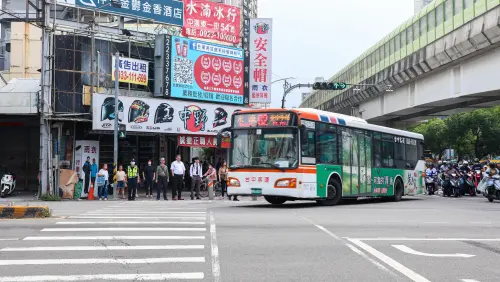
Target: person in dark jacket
x=86 y=170
x=148 y=174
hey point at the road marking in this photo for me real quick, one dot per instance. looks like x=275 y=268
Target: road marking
x=128 y=222
x=100 y=261
x=376 y=263
x=411 y=251
x=149 y=209
x=322 y=228
x=422 y=239
x=111 y=277
x=105 y=248
x=56 y=238
x=122 y=229
x=10 y=239
x=136 y=217
x=144 y=213
x=389 y=261
x=469 y=280
x=215 y=250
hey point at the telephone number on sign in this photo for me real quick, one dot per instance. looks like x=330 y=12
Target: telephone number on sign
x=217 y=36
x=133 y=77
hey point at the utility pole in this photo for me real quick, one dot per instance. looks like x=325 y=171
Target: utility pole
x=286 y=86
x=117 y=111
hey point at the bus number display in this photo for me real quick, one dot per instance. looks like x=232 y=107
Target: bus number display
x=263 y=120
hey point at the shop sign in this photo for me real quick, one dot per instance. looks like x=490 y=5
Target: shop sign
x=214 y=21
x=161 y=115
x=84 y=149
x=131 y=70
x=277 y=119
x=204 y=71
x=162 y=11
x=201 y=141
x=260 y=60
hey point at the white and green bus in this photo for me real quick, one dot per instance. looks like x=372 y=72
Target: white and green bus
x=307 y=154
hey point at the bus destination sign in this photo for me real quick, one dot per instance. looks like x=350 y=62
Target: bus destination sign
x=263 y=120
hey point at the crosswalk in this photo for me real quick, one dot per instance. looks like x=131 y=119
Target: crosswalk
x=128 y=241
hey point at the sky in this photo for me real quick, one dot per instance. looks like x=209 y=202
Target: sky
x=317 y=38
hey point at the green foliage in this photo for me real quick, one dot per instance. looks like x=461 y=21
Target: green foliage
x=470 y=134
x=50 y=197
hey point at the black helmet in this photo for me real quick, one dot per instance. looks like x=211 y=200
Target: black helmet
x=108 y=109
x=164 y=113
x=138 y=112
x=220 y=117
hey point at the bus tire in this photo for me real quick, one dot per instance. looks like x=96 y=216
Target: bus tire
x=334 y=194
x=398 y=190
x=275 y=200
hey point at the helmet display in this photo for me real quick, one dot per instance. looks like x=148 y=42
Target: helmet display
x=164 y=113
x=138 y=112
x=220 y=117
x=108 y=109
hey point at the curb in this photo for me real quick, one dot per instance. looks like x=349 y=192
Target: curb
x=24 y=212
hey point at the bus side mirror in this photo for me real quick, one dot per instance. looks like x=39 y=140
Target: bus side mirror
x=225 y=132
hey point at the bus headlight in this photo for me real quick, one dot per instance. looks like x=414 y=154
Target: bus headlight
x=285 y=183
x=234 y=182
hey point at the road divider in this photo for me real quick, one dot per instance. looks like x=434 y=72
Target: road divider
x=24 y=212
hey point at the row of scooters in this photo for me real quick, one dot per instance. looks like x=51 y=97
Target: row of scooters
x=472 y=183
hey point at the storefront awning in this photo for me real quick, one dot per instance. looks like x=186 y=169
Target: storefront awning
x=19 y=96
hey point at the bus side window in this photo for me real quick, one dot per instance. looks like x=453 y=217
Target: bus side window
x=327 y=148
x=308 y=145
x=377 y=150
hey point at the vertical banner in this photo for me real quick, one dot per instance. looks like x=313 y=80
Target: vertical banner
x=168 y=59
x=246 y=60
x=84 y=149
x=260 y=60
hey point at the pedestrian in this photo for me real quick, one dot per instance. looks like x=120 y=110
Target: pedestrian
x=86 y=171
x=196 y=172
x=120 y=181
x=162 y=180
x=93 y=171
x=103 y=183
x=149 y=176
x=133 y=178
x=211 y=175
x=178 y=169
x=223 y=179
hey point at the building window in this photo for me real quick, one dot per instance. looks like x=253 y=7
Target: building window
x=391 y=46
x=381 y=52
x=439 y=14
x=431 y=20
x=403 y=39
x=468 y=4
x=423 y=26
x=448 y=10
x=397 y=42
x=458 y=6
x=409 y=35
x=415 y=31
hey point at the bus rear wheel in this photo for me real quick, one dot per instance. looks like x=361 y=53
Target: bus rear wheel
x=334 y=194
x=275 y=200
x=398 y=191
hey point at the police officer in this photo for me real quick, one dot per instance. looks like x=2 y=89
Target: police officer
x=133 y=179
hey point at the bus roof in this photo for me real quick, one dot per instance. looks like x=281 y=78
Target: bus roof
x=340 y=119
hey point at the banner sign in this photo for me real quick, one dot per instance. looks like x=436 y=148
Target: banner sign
x=260 y=60
x=205 y=71
x=201 y=141
x=160 y=115
x=131 y=70
x=208 y=20
x=162 y=11
x=84 y=149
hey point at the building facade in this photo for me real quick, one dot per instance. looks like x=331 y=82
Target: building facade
x=420 y=4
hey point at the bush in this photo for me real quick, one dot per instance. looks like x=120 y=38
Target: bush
x=50 y=197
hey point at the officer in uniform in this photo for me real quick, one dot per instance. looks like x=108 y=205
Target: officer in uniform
x=133 y=179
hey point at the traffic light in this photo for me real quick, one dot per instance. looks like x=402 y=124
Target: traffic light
x=122 y=131
x=329 y=86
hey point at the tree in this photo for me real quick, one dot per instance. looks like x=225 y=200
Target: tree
x=435 y=134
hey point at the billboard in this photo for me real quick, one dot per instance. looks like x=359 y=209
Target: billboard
x=198 y=70
x=162 y=11
x=214 y=21
x=160 y=115
x=260 y=60
x=131 y=70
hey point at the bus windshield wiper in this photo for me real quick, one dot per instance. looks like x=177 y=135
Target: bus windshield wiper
x=275 y=166
x=239 y=166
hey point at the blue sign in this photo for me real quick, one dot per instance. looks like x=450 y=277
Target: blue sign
x=162 y=11
x=206 y=71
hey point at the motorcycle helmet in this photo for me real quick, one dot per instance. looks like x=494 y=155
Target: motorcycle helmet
x=465 y=163
x=164 y=113
x=138 y=112
x=476 y=160
x=108 y=109
x=220 y=117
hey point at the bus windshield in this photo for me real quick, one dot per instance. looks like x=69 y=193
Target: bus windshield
x=265 y=147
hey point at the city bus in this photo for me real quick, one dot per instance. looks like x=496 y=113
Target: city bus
x=308 y=154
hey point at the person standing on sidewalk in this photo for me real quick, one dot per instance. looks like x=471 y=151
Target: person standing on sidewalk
x=223 y=179
x=120 y=181
x=103 y=183
x=86 y=171
x=93 y=171
x=162 y=180
x=196 y=172
x=133 y=179
x=149 y=176
x=178 y=169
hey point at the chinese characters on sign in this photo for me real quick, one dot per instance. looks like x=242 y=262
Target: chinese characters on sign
x=208 y=20
x=163 y=11
x=260 y=60
x=384 y=181
x=131 y=71
x=263 y=120
x=204 y=141
x=257 y=179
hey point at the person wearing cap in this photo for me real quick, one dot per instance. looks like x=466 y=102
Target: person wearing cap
x=178 y=169
x=133 y=179
x=161 y=180
x=148 y=175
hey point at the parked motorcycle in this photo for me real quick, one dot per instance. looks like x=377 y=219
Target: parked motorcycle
x=454 y=186
x=493 y=190
x=7 y=184
x=429 y=185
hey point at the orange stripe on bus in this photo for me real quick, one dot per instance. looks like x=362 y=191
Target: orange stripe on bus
x=299 y=170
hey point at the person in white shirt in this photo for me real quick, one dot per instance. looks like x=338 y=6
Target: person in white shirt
x=103 y=183
x=196 y=172
x=178 y=169
x=120 y=181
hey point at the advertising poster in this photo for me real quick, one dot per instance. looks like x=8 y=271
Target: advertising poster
x=202 y=141
x=206 y=72
x=161 y=115
x=214 y=21
x=84 y=149
x=260 y=60
x=131 y=71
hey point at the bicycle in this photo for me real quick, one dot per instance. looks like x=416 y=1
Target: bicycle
x=206 y=184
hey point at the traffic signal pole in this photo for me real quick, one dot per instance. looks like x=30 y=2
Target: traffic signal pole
x=288 y=88
x=117 y=111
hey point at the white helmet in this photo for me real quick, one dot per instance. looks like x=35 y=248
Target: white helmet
x=466 y=162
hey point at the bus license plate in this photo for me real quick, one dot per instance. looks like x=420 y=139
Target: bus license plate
x=256 y=191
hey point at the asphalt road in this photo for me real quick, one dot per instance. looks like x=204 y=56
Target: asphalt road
x=427 y=238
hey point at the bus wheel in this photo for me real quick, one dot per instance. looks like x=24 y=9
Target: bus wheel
x=398 y=191
x=275 y=200
x=334 y=194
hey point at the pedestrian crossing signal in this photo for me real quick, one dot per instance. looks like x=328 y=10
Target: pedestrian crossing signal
x=329 y=86
x=122 y=131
